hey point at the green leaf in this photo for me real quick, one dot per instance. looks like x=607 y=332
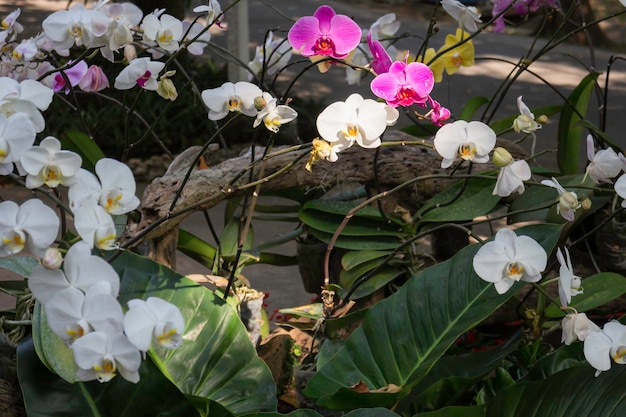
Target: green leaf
x=452 y=376
x=382 y=277
x=456 y=411
x=21 y=265
x=572 y=392
x=371 y=412
x=50 y=348
x=475 y=200
x=599 y=133
x=229 y=240
x=502 y=125
x=570 y=132
x=405 y=334
x=310 y=311
x=217 y=360
x=598 y=290
x=327 y=217
x=47 y=395
x=196 y=248
x=84 y=146
x=296 y=413
x=359 y=243
x=563 y=358
x=355 y=258
x=471 y=107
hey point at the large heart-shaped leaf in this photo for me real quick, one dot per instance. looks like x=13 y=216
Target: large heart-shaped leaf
x=48 y=395
x=403 y=335
x=217 y=360
x=572 y=392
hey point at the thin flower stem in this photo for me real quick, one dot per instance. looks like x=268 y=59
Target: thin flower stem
x=197 y=159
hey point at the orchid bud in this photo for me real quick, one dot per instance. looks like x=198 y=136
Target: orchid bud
x=542 y=119
x=501 y=157
x=52 y=259
x=524 y=123
x=568 y=201
x=130 y=53
x=167 y=89
x=94 y=80
x=585 y=203
x=259 y=103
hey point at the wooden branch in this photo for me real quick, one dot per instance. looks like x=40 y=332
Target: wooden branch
x=208 y=187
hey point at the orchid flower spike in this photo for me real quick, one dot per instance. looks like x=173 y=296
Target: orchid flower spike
x=325 y=34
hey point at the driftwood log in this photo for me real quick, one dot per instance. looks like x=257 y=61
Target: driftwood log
x=207 y=187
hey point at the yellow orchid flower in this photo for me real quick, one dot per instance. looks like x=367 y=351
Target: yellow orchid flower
x=462 y=55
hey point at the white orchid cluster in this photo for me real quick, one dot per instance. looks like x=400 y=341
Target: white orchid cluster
x=111 y=28
x=81 y=307
x=510 y=258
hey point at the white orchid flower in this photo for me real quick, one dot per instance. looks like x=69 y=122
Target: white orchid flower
x=471 y=141
x=16 y=135
x=114 y=188
x=525 y=122
x=142 y=72
x=238 y=97
x=512 y=173
x=271 y=57
x=272 y=115
x=77 y=25
x=10 y=23
x=124 y=16
x=508 y=259
x=467 y=16
x=213 y=11
x=28 y=96
x=165 y=30
x=385 y=26
x=100 y=356
x=356 y=120
x=95 y=226
x=81 y=270
x=576 y=326
x=72 y=314
x=48 y=164
x=153 y=319
x=568 y=200
x=620 y=189
x=33 y=219
x=196 y=40
x=602 y=346
x=603 y=165
x=569 y=284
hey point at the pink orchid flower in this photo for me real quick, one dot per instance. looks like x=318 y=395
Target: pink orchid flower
x=325 y=33
x=404 y=84
x=381 y=60
x=438 y=114
x=73 y=75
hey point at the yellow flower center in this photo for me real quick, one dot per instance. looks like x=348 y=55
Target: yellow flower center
x=105 y=371
x=113 y=202
x=76 y=30
x=456 y=59
x=619 y=355
x=166 y=37
x=52 y=176
x=514 y=271
x=14 y=242
x=234 y=104
x=467 y=151
x=167 y=336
